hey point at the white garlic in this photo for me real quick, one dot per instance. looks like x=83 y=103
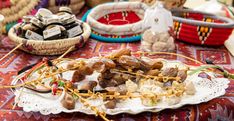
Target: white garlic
x=171 y=44
x=160 y=47
x=149 y=36
x=145 y=46
x=173 y=100
x=131 y=86
x=190 y=88
x=163 y=37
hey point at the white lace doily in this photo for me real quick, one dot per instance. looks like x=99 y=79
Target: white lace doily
x=48 y=104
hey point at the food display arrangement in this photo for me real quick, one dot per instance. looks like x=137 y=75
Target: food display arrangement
x=125 y=80
x=115 y=83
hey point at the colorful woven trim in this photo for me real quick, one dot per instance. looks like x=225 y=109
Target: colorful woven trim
x=201 y=28
x=123 y=18
x=99 y=37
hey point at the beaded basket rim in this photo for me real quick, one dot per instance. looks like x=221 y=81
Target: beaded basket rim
x=115 y=29
x=229 y=23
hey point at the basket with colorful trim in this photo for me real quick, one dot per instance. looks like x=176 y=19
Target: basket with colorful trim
x=51 y=47
x=116 y=22
x=201 y=28
x=13 y=10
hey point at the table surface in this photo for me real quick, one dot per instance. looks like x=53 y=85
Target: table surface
x=221 y=108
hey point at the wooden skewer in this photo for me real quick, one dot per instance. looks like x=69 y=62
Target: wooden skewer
x=19 y=45
x=69 y=50
x=168 y=53
x=21 y=91
x=94 y=108
x=17 y=101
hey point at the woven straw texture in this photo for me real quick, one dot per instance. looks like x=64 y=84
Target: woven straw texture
x=107 y=8
x=75 y=5
x=16 y=11
x=201 y=28
x=52 y=47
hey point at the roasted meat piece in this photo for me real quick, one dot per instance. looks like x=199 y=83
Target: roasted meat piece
x=170 y=72
x=71 y=64
x=128 y=62
x=107 y=74
x=119 y=53
x=155 y=64
x=109 y=64
x=101 y=64
x=97 y=64
x=77 y=76
x=144 y=65
x=68 y=101
x=106 y=82
x=154 y=72
x=182 y=74
x=121 y=89
x=88 y=85
x=84 y=69
x=110 y=103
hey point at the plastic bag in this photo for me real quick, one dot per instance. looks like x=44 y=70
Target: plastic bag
x=158 y=22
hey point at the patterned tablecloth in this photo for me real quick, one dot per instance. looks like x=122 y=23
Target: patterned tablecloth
x=221 y=108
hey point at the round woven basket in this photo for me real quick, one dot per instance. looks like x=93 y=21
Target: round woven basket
x=99 y=37
x=50 y=47
x=108 y=8
x=201 y=28
x=75 y=5
x=16 y=11
x=93 y=3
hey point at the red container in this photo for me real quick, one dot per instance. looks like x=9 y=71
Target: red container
x=201 y=28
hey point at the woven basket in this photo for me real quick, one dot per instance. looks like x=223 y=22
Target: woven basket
x=108 y=8
x=75 y=5
x=93 y=3
x=51 y=47
x=17 y=10
x=201 y=28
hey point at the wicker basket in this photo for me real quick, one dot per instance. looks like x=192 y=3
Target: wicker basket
x=16 y=11
x=93 y=3
x=201 y=28
x=51 y=47
x=110 y=29
x=75 y=5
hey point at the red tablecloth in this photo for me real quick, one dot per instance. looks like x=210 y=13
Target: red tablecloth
x=221 y=108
